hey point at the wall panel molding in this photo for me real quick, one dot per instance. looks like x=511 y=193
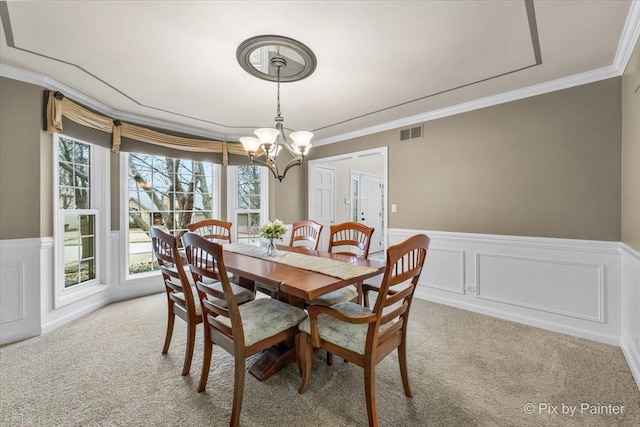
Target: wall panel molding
x=564 y=285
x=544 y=284
x=630 y=338
x=12 y=292
x=444 y=270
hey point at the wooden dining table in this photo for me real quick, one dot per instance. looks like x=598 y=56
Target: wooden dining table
x=292 y=285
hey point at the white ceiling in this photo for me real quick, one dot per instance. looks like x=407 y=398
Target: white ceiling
x=378 y=62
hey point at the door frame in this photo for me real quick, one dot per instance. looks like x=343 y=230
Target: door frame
x=384 y=152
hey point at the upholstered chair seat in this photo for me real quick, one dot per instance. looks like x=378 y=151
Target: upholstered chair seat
x=266 y=317
x=347 y=335
x=242 y=295
x=348 y=293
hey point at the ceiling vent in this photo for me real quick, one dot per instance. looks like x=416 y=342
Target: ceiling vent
x=411 y=133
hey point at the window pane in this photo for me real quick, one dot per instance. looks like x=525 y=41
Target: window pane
x=86 y=225
x=82 y=198
x=81 y=174
x=248 y=227
x=87 y=270
x=74 y=174
x=167 y=193
x=81 y=152
x=65 y=174
x=87 y=247
x=66 y=200
x=254 y=202
x=140 y=263
x=79 y=248
x=71 y=274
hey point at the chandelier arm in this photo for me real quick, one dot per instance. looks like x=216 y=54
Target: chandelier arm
x=292 y=163
x=290 y=150
x=273 y=167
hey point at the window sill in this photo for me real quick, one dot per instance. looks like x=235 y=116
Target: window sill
x=79 y=292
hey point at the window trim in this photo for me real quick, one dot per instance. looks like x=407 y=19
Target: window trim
x=100 y=202
x=232 y=197
x=125 y=277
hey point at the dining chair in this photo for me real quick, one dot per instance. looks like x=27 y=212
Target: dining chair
x=182 y=298
x=364 y=336
x=241 y=330
x=348 y=238
x=212 y=229
x=307 y=233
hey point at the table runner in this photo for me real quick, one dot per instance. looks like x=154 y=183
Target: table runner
x=330 y=267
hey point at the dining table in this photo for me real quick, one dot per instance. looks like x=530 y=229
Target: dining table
x=293 y=279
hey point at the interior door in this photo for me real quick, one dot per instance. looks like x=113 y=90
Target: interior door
x=371 y=208
x=323 y=203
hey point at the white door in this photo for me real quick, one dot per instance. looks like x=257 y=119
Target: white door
x=322 y=200
x=371 y=209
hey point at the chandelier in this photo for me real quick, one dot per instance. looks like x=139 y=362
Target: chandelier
x=279 y=59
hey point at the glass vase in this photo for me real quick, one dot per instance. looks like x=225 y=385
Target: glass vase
x=271 y=248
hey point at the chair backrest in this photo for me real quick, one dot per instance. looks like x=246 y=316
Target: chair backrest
x=212 y=229
x=404 y=266
x=352 y=234
x=306 y=231
x=165 y=249
x=205 y=260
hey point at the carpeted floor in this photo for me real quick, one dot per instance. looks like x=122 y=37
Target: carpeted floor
x=106 y=369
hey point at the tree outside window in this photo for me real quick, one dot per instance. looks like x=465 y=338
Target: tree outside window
x=167 y=193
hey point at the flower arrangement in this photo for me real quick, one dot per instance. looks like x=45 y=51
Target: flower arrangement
x=273 y=230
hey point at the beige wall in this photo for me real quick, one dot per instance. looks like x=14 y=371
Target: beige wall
x=20 y=124
x=547 y=166
x=287 y=198
x=543 y=166
x=631 y=151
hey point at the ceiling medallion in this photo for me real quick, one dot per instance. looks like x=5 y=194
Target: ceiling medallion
x=277 y=59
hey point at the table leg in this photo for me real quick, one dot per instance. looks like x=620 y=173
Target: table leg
x=246 y=283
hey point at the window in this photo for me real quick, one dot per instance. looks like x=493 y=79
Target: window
x=81 y=190
x=247 y=201
x=167 y=193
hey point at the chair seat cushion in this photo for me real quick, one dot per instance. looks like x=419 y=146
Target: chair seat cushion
x=242 y=294
x=344 y=334
x=264 y=318
x=345 y=294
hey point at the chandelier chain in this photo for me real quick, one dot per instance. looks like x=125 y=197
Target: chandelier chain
x=278 y=96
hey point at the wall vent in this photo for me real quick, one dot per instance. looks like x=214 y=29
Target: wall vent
x=411 y=133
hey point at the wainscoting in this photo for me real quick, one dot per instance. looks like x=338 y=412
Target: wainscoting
x=630 y=337
x=567 y=286
x=588 y=289
x=27 y=297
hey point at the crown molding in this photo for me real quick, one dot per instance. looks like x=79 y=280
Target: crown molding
x=26 y=76
x=514 y=95
x=629 y=37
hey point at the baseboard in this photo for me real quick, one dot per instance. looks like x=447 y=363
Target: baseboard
x=563 y=285
x=519 y=318
x=84 y=310
x=631 y=353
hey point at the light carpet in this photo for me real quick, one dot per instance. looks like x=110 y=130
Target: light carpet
x=106 y=369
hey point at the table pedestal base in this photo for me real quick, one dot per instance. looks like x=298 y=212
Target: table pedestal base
x=272 y=360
